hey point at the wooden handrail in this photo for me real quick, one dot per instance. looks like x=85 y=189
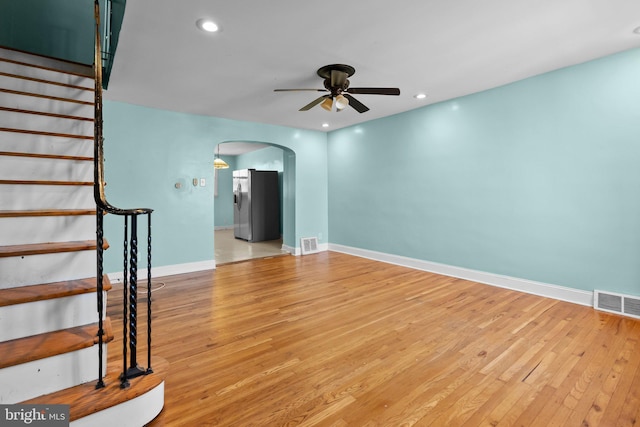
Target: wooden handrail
x=99 y=184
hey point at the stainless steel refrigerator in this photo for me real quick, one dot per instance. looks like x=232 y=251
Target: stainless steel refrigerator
x=256 y=205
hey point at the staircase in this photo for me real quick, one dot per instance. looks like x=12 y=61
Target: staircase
x=48 y=318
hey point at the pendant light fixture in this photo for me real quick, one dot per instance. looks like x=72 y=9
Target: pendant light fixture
x=218 y=163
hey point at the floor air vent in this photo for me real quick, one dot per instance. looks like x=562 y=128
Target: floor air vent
x=309 y=245
x=617 y=303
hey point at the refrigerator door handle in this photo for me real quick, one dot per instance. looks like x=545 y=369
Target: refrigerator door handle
x=237 y=196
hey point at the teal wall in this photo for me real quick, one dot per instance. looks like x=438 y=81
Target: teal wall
x=148 y=150
x=60 y=28
x=223 y=206
x=539 y=179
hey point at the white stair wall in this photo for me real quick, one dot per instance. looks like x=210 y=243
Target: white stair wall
x=29 y=197
x=35 y=168
x=44 y=86
x=22 y=142
x=37 y=269
x=47 y=316
x=37 y=122
x=26 y=102
x=33 y=379
x=18 y=231
x=54 y=64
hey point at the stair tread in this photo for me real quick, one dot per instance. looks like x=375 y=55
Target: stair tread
x=38 y=132
x=46 y=113
x=50 y=247
x=46 y=212
x=47 y=291
x=38 y=95
x=42 y=182
x=46 y=156
x=36 y=347
x=49 y=82
x=85 y=399
x=84 y=70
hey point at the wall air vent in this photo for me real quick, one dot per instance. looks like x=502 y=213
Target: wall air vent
x=309 y=245
x=626 y=305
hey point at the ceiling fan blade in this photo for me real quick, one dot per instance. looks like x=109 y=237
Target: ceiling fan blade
x=300 y=90
x=338 y=78
x=314 y=103
x=374 y=90
x=357 y=105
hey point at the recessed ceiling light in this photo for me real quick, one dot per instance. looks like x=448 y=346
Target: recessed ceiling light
x=207 y=25
x=420 y=96
x=325 y=125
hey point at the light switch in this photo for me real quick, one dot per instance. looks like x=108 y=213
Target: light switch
x=203 y=182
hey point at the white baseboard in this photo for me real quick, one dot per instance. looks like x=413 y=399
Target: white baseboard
x=561 y=293
x=322 y=247
x=291 y=250
x=167 y=270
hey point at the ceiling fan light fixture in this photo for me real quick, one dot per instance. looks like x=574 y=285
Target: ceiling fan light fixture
x=341 y=102
x=327 y=104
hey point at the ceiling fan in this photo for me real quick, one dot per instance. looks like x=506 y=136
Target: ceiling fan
x=336 y=82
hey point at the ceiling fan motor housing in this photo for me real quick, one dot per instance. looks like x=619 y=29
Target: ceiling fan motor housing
x=336 y=90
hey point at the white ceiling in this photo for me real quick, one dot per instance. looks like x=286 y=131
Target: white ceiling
x=445 y=48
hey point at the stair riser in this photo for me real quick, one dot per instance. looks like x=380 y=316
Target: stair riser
x=27 y=197
x=25 y=102
x=36 y=269
x=42 y=88
x=33 y=168
x=28 y=143
x=47 y=316
x=35 y=122
x=32 y=379
x=39 y=73
x=85 y=70
x=20 y=230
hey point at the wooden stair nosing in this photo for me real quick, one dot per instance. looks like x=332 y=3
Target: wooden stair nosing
x=38 y=95
x=46 y=212
x=85 y=399
x=49 y=82
x=46 y=113
x=40 y=132
x=49 y=248
x=42 y=67
x=33 y=182
x=46 y=156
x=47 y=291
x=36 y=347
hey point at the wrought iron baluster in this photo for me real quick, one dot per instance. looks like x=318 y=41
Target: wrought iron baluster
x=149 y=369
x=124 y=382
x=99 y=291
x=134 y=370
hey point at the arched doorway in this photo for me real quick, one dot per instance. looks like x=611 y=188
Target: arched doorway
x=257 y=155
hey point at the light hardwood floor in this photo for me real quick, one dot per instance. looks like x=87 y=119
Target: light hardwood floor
x=335 y=340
